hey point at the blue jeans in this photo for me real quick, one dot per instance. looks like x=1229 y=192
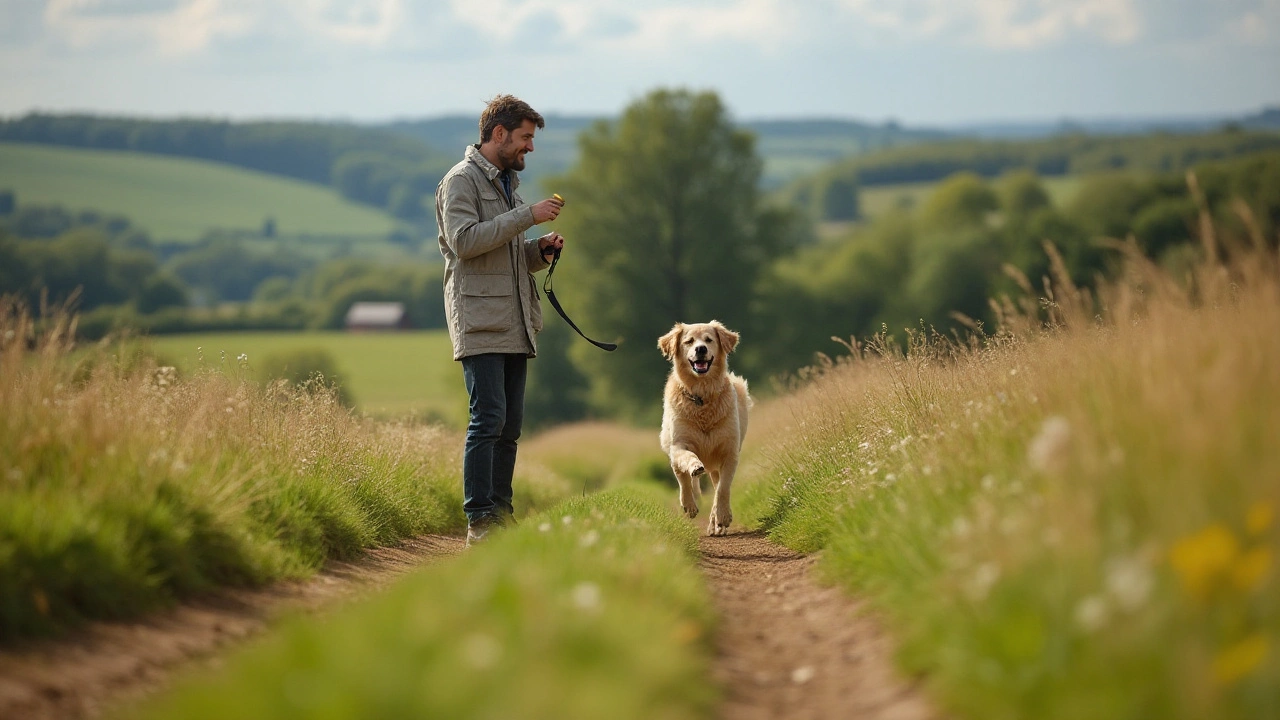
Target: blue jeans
x=495 y=382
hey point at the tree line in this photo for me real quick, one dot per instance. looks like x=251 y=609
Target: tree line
x=832 y=194
x=118 y=278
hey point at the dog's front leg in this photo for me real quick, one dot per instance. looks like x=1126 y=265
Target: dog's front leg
x=687 y=467
x=721 y=514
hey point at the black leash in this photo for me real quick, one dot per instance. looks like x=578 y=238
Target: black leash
x=546 y=288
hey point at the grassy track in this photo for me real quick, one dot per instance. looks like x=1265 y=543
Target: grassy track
x=178 y=198
x=1065 y=524
x=389 y=374
x=592 y=610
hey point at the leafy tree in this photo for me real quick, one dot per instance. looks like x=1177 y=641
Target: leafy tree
x=961 y=201
x=665 y=225
x=1022 y=194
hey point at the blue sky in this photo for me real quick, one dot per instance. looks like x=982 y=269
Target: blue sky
x=923 y=62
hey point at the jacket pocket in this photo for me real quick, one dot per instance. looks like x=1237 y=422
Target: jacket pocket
x=535 y=304
x=487 y=303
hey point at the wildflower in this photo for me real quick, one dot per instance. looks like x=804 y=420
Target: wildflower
x=1129 y=580
x=589 y=538
x=544 y=527
x=1251 y=569
x=586 y=596
x=1236 y=661
x=566 y=519
x=1258 y=518
x=481 y=651
x=1092 y=613
x=983 y=578
x=1201 y=559
x=1048 y=450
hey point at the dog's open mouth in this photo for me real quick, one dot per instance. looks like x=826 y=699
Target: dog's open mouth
x=701 y=366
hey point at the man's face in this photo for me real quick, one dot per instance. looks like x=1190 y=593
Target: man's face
x=516 y=145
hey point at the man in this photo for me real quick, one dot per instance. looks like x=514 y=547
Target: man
x=491 y=298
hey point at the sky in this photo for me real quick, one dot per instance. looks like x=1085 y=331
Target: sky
x=920 y=62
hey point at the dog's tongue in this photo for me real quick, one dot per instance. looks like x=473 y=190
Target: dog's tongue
x=701 y=365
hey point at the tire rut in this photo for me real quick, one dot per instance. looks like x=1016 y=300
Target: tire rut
x=108 y=665
x=787 y=647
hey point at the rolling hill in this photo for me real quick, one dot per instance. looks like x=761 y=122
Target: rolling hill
x=178 y=199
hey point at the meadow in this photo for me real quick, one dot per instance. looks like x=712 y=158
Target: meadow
x=389 y=375
x=1073 y=517
x=178 y=199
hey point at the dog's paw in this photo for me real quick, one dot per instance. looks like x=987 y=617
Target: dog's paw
x=697 y=469
x=690 y=510
x=718 y=523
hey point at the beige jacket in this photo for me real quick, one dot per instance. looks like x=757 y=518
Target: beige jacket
x=491 y=298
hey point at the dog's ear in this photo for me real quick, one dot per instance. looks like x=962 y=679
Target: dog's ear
x=669 y=344
x=728 y=338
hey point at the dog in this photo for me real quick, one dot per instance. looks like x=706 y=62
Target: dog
x=704 y=415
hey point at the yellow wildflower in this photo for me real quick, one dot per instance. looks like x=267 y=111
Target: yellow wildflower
x=1236 y=661
x=1203 y=558
x=1251 y=569
x=1259 y=517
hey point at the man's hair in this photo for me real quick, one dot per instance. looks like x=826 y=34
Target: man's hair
x=508 y=111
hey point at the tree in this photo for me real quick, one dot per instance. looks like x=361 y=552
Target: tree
x=664 y=225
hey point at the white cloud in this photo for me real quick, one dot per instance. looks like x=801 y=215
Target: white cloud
x=1002 y=24
x=173 y=28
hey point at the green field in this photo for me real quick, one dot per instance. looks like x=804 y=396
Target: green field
x=180 y=199
x=388 y=374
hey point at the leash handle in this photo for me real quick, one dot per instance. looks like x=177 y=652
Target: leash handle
x=546 y=288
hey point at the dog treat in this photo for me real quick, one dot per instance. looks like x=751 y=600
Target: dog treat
x=557 y=196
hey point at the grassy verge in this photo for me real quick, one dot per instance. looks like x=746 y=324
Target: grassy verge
x=1063 y=524
x=593 y=609
x=124 y=485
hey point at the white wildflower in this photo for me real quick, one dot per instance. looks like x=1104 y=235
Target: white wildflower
x=983 y=578
x=1048 y=450
x=589 y=538
x=586 y=596
x=1129 y=580
x=566 y=519
x=481 y=651
x=544 y=527
x=1092 y=613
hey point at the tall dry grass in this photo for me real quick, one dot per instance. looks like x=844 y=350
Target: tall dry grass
x=1073 y=517
x=124 y=485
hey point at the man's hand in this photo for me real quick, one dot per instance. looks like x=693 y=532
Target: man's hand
x=548 y=244
x=546 y=210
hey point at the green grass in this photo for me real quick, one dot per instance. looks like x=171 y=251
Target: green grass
x=1065 y=524
x=124 y=486
x=388 y=374
x=180 y=199
x=594 y=609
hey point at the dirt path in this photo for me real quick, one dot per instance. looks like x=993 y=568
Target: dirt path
x=790 y=648
x=116 y=663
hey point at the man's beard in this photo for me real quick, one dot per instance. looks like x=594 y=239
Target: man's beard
x=512 y=161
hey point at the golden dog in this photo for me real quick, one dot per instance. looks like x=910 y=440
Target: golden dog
x=704 y=415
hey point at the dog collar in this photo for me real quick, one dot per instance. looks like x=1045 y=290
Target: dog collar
x=697 y=400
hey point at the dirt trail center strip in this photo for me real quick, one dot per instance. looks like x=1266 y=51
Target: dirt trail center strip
x=109 y=664
x=790 y=648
